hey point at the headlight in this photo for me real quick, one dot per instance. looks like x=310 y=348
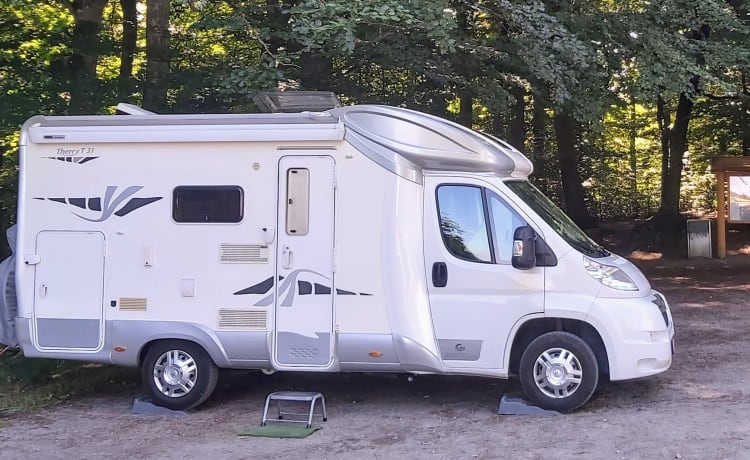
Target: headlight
x=609 y=276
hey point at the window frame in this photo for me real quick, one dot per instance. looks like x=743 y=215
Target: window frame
x=488 y=221
x=241 y=205
x=493 y=230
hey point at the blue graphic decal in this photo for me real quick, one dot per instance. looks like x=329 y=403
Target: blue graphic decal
x=112 y=203
x=288 y=289
x=76 y=160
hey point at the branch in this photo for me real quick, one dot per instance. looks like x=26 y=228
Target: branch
x=8 y=349
x=714 y=97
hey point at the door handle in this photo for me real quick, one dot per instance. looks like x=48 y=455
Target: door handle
x=439 y=274
x=43 y=291
x=287 y=258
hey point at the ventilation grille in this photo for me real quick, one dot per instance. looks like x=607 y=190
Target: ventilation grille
x=242 y=319
x=243 y=253
x=133 y=304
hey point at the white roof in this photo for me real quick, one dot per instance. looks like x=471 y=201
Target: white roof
x=404 y=141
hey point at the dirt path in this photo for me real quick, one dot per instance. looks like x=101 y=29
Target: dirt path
x=700 y=408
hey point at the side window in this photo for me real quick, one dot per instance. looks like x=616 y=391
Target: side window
x=462 y=222
x=504 y=221
x=207 y=204
x=297 y=201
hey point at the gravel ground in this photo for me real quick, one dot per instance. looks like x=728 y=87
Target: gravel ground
x=698 y=409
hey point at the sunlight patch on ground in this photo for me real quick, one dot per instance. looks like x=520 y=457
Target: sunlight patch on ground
x=697 y=391
x=643 y=255
x=700 y=305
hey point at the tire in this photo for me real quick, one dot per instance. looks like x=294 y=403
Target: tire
x=179 y=375
x=559 y=371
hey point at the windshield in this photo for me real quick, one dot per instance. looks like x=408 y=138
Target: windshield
x=556 y=218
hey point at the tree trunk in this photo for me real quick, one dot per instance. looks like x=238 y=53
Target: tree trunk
x=670 y=201
x=539 y=133
x=466 y=113
x=315 y=72
x=517 y=134
x=498 y=126
x=81 y=65
x=566 y=130
x=633 y=132
x=663 y=120
x=438 y=102
x=277 y=20
x=157 y=55
x=744 y=107
x=129 y=46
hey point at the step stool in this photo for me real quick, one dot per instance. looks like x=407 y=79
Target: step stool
x=298 y=396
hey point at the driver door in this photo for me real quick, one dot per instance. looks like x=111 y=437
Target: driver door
x=476 y=296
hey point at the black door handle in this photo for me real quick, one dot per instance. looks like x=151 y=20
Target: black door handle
x=439 y=274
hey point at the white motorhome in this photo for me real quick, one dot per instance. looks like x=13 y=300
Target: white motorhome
x=364 y=238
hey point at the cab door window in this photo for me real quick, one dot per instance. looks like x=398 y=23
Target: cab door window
x=463 y=222
x=476 y=224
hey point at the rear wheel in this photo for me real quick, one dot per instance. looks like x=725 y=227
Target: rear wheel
x=559 y=371
x=178 y=374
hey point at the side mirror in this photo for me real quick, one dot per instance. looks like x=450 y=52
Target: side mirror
x=524 y=248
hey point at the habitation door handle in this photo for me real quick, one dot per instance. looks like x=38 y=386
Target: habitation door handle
x=43 y=291
x=287 y=258
x=439 y=274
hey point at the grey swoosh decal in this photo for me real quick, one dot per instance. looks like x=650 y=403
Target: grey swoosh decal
x=109 y=205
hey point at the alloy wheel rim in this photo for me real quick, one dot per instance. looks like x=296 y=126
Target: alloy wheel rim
x=175 y=373
x=558 y=373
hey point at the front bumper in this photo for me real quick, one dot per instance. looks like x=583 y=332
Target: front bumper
x=637 y=333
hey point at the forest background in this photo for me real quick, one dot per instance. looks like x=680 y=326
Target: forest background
x=620 y=104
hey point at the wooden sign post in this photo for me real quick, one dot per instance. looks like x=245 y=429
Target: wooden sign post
x=732 y=196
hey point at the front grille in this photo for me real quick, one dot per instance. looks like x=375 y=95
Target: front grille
x=662 y=305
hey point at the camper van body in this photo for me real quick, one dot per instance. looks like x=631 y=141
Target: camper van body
x=366 y=238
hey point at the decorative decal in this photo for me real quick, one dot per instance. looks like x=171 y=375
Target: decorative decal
x=109 y=204
x=288 y=291
x=304 y=287
x=260 y=288
x=76 y=160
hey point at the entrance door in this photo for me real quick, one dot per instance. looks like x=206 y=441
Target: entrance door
x=68 y=285
x=476 y=296
x=303 y=333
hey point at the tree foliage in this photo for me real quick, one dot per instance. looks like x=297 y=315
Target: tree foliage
x=604 y=96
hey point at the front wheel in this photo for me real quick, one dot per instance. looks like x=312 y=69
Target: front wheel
x=559 y=371
x=178 y=375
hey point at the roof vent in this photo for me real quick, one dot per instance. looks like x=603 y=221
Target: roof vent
x=130 y=109
x=295 y=101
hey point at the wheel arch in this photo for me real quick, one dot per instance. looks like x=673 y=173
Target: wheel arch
x=178 y=374
x=535 y=327
x=186 y=332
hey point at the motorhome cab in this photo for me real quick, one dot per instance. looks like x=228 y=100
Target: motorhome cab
x=364 y=238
